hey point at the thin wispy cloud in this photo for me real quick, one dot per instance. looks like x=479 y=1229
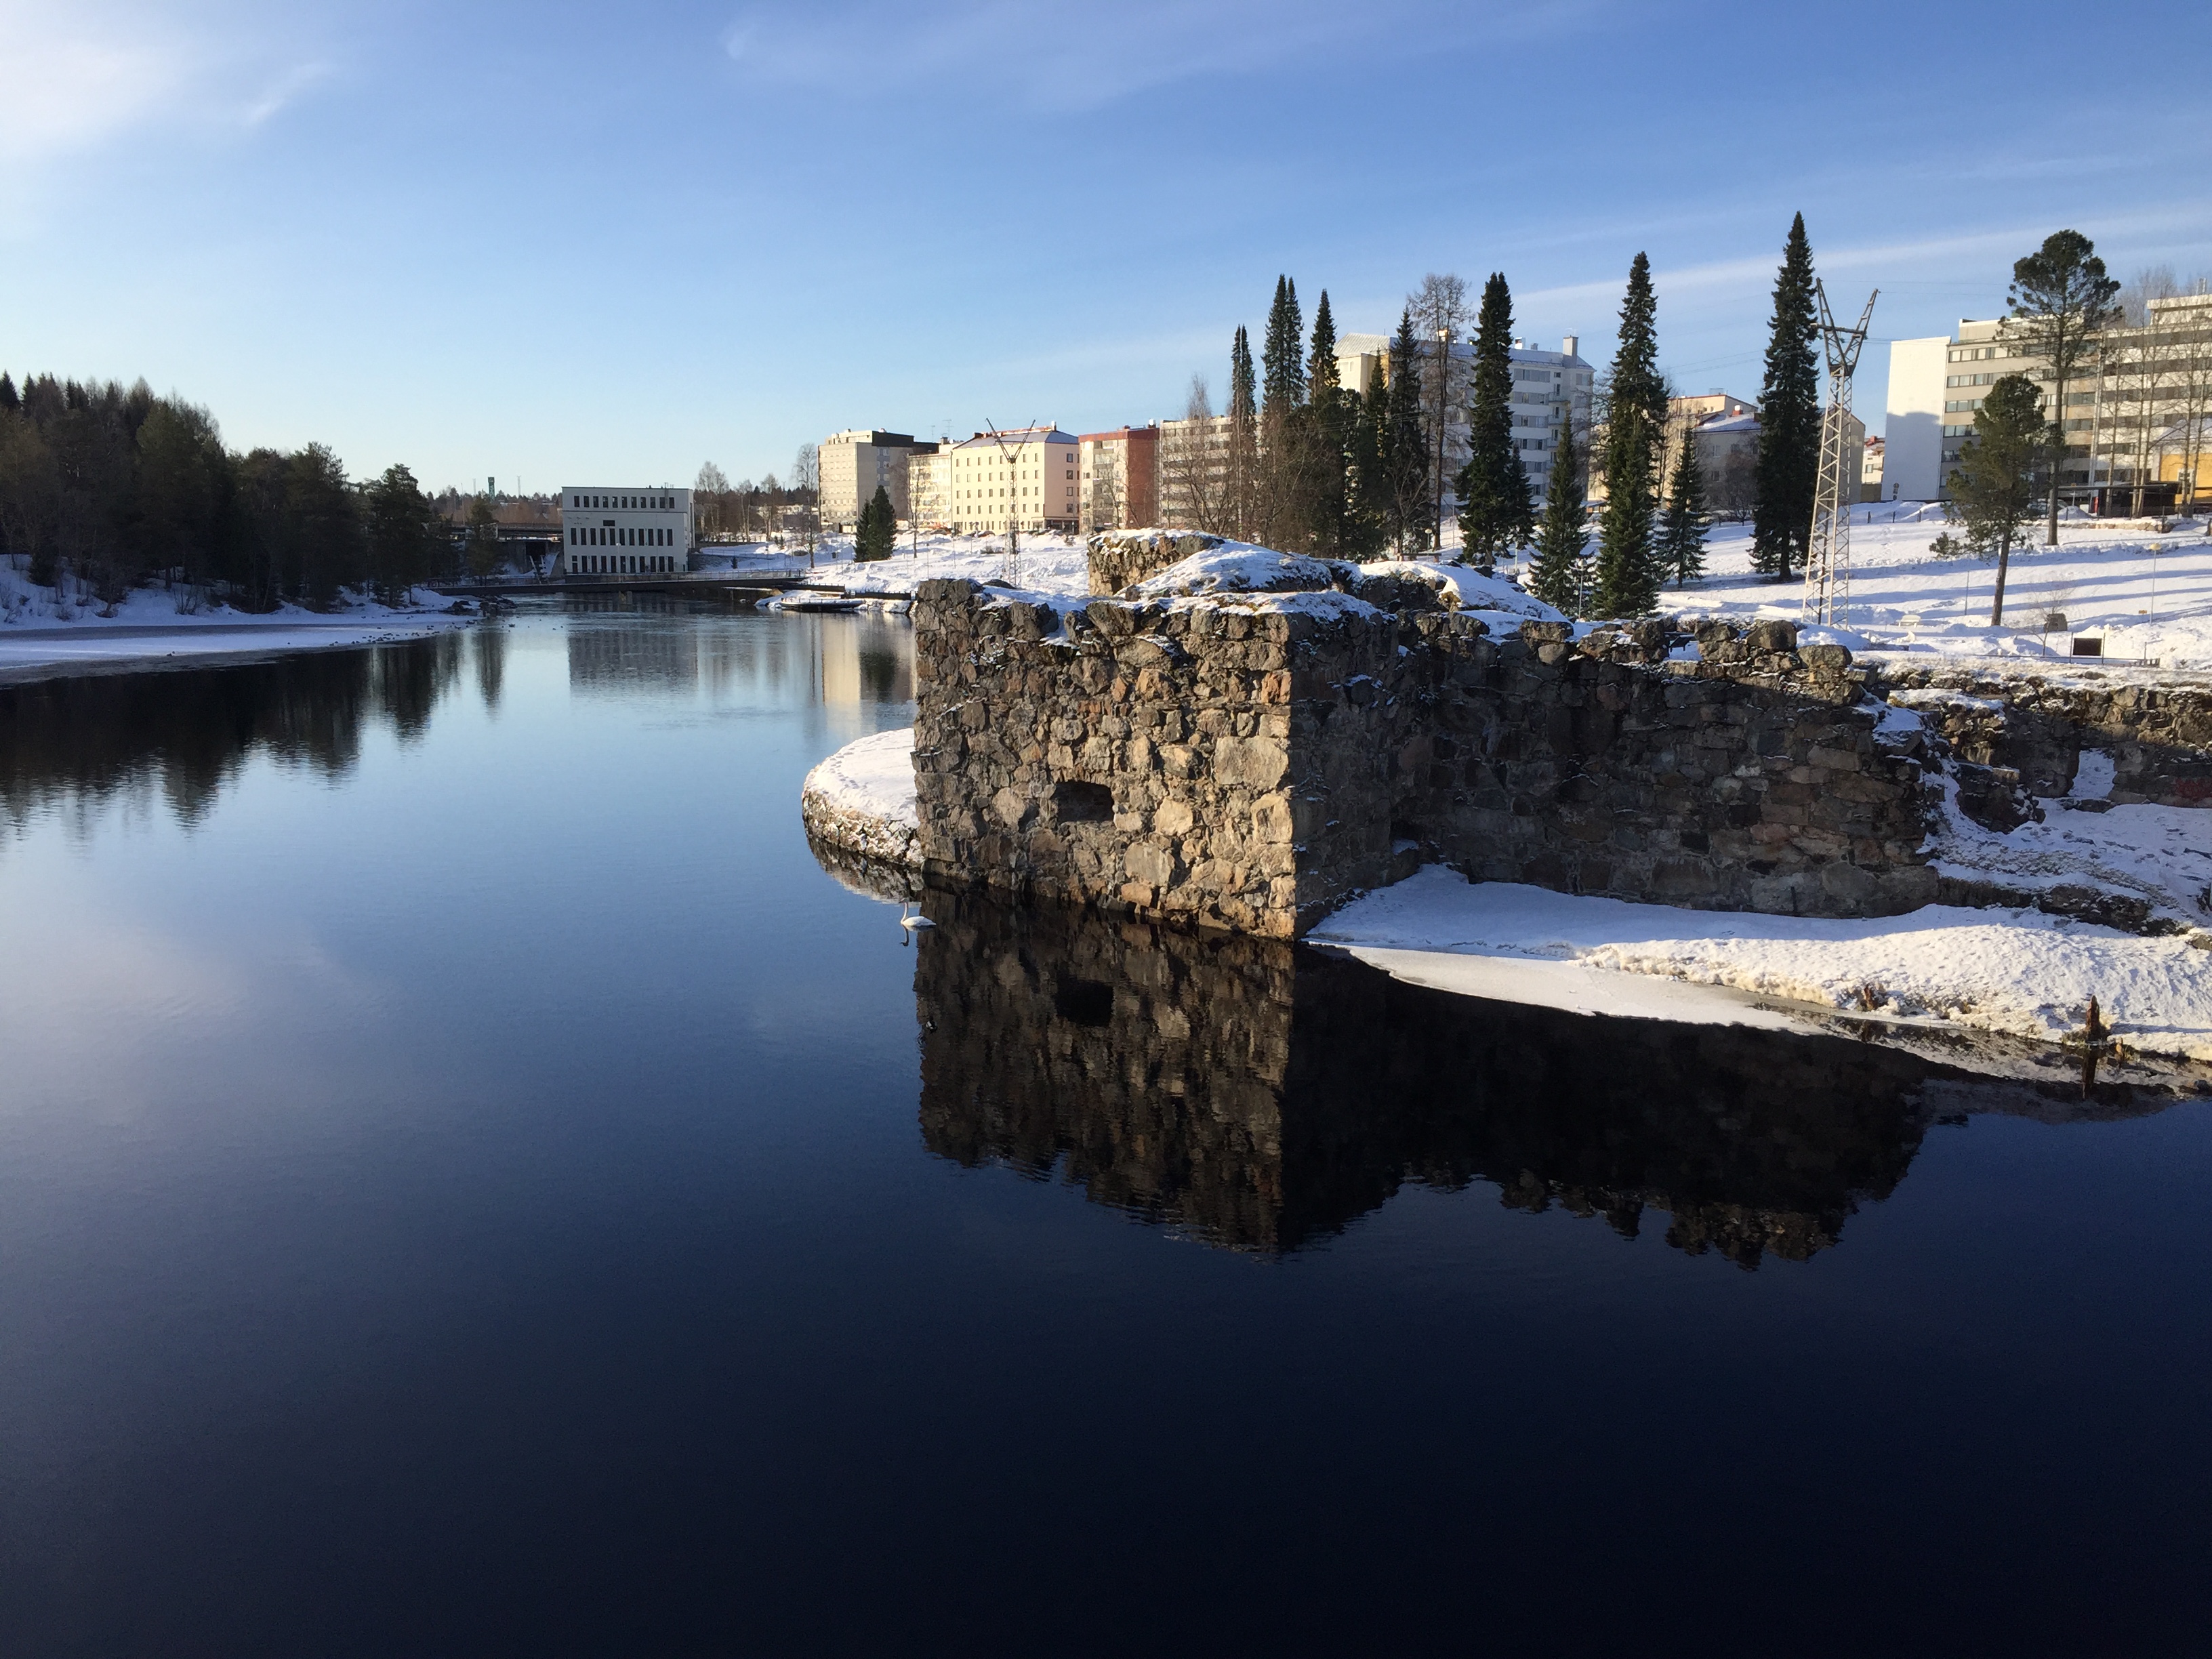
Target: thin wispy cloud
x=1999 y=245
x=85 y=74
x=1060 y=61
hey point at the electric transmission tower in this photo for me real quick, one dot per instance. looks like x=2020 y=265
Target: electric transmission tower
x=1828 y=559
x=1011 y=456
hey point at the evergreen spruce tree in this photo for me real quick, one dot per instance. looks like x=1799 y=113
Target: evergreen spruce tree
x=1284 y=382
x=1325 y=438
x=1788 y=419
x=1243 y=437
x=1277 y=518
x=1405 y=460
x=9 y=400
x=1627 y=574
x=1556 y=574
x=1367 y=516
x=1493 y=486
x=1682 y=525
x=877 y=533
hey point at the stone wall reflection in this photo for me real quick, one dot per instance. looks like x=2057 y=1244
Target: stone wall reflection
x=1263 y=1095
x=181 y=736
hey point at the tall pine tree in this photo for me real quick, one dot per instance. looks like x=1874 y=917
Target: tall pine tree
x=1636 y=417
x=1283 y=385
x=1243 y=436
x=1282 y=456
x=1368 y=511
x=1406 y=458
x=1326 y=438
x=1493 y=486
x=1555 y=574
x=1788 y=419
x=1682 y=525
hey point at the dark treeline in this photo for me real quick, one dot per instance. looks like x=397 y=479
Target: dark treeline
x=114 y=487
x=74 y=744
x=1304 y=463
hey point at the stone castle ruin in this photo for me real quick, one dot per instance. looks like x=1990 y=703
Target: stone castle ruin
x=1244 y=739
x=1236 y=739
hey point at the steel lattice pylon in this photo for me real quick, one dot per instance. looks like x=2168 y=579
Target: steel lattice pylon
x=1828 y=557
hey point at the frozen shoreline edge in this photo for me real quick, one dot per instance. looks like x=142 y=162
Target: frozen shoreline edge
x=30 y=656
x=861 y=801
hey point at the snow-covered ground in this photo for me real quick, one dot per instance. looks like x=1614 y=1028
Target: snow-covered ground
x=862 y=797
x=1046 y=564
x=44 y=634
x=2144 y=594
x=2017 y=972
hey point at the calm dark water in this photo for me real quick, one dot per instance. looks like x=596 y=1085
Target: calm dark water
x=471 y=1183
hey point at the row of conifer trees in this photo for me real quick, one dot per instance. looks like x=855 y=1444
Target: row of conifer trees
x=113 y=487
x=1309 y=466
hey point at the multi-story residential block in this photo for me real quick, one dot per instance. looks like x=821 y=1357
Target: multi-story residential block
x=1024 y=479
x=618 y=530
x=2148 y=378
x=854 y=464
x=1193 y=474
x=1119 y=488
x=929 y=483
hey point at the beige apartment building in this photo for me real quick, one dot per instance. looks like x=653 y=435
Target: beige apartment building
x=929 y=484
x=1119 y=481
x=853 y=464
x=1023 y=480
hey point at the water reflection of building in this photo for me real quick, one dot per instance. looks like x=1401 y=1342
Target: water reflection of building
x=617 y=656
x=864 y=658
x=1263 y=1095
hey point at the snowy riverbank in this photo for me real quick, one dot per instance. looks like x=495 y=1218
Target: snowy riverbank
x=2017 y=973
x=2013 y=973
x=47 y=635
x=861 y=799
x=2139 y=593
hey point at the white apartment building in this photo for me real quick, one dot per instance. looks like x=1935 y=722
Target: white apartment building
x=1548 y=388
x=1024 y=479
x=853 y=464
x=626 y=530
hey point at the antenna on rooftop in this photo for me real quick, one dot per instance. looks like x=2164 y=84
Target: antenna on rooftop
x=1828 y=556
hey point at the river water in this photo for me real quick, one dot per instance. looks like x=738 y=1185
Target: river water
x=472 y=1181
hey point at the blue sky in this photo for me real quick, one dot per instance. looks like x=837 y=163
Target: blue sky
x=561 y=242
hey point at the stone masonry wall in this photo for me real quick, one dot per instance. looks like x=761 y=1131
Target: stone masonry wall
x=1120 y=558
x=1249 y=764
x=2159 y=737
